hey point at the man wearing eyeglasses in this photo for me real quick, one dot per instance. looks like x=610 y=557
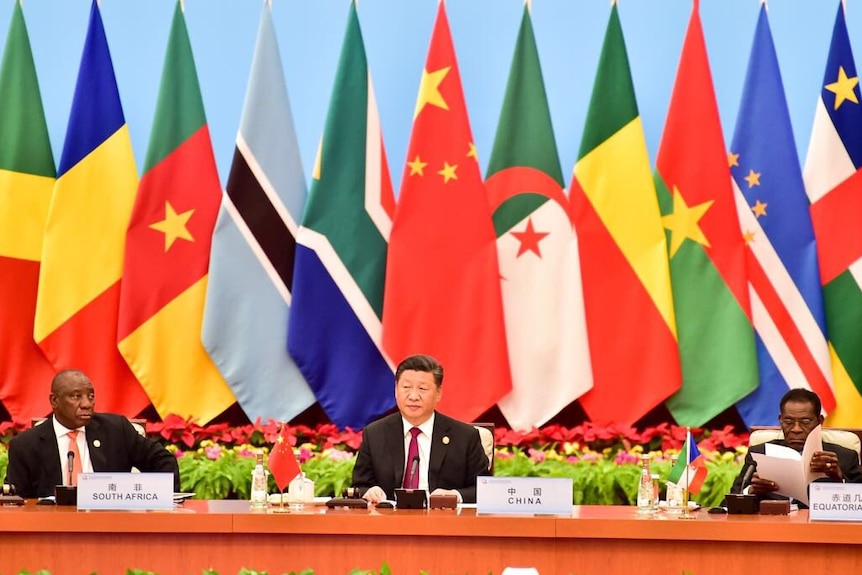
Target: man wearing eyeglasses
x=800 y=414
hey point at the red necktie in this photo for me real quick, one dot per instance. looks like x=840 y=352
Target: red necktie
x=76 y=463
x=411 y=471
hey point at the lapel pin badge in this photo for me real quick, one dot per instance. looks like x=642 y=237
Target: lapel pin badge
x=97 y=443
x=445 y=440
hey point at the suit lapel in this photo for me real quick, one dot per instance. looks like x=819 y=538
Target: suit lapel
x=48 y=440
x=439 y=446
x=395 y=446
x=96 y=444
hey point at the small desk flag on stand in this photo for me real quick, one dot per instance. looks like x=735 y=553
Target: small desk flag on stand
x=690 y=469
x=282 y=462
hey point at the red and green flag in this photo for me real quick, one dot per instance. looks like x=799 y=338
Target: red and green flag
x=706 y=247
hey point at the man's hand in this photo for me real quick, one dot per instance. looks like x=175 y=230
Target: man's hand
x=454 y=492
x=375 y=494
x=827 y=462
x=760 y=486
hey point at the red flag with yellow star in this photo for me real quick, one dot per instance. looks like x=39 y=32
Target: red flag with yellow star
x=442 y=281
x=706 y=246
x=282 y=461
x=168 y=246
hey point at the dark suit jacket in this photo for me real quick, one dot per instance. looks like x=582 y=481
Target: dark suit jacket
x=34 y=460
x=453 y=465
x=848 y=461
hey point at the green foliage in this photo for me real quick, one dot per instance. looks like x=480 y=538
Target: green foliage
x=228 y=476
x=4 y=461
x=330 y=476
x=606 y=482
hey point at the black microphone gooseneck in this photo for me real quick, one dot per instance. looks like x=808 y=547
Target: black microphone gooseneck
x=71 y=459
x=414 y=468
x=746 y=477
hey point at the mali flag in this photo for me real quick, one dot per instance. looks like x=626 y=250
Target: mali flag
x=538 y=250
x=707 y=251
x=82 y=253
x=26 y=180
x=833 y=182
x=168 y=248
x=442 y=282
x=626 y=276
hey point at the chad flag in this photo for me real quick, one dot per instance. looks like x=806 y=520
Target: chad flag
x=168 y=248
x=82 y=252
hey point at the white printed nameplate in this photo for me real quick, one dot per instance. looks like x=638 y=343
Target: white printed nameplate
x=120 y=491
x=524 y=495
x=835 y=501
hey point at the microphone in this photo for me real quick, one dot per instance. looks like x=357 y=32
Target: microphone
x=746 y=477
x=414 y=467
x=71 y=459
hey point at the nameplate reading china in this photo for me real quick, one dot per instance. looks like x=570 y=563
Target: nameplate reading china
x=122 y=491
x=835 y=501
x=524 y=495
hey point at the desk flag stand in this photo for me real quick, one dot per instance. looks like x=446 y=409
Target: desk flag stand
x=686 y=512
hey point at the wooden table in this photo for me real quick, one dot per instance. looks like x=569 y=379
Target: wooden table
x=226 y=535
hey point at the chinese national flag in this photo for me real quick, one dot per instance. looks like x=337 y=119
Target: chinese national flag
x=282 y=462
x=442 y=292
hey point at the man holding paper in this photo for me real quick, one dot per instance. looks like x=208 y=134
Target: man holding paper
x=800 y=417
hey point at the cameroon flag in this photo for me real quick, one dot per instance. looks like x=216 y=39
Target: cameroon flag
x=168 y=248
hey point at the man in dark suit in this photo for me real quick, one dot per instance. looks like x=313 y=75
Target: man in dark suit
x=105 y=442
x=800 y=413
x=448 y=455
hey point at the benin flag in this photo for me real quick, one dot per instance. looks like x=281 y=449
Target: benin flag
x=626 y=277
x=442 y=282
x=168 y=247
x=833 y=182
x=707 y=251
x=26 y=180
x=82 y=253
x=538 y=250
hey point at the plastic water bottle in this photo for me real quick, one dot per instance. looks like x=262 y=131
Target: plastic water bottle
x=646 y=490
x=259 y=496
x=674 y=493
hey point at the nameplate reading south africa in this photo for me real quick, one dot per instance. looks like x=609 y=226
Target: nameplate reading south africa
x=126 y=491
x=524 y=495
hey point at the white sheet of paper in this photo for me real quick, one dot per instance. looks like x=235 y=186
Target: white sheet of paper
x=788 y=468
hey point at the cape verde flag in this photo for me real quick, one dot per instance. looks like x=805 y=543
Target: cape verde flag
x=786 y=301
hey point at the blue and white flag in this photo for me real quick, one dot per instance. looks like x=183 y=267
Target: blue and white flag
x=335 y=324
x=786 y=301
x=251 y=262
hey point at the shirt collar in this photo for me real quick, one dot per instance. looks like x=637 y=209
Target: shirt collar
x=427 y=427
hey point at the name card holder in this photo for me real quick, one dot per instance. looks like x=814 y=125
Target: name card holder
x=126 y=491
x=835 y=501
x=524 y=495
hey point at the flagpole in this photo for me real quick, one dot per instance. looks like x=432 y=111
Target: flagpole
x=686 y=513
